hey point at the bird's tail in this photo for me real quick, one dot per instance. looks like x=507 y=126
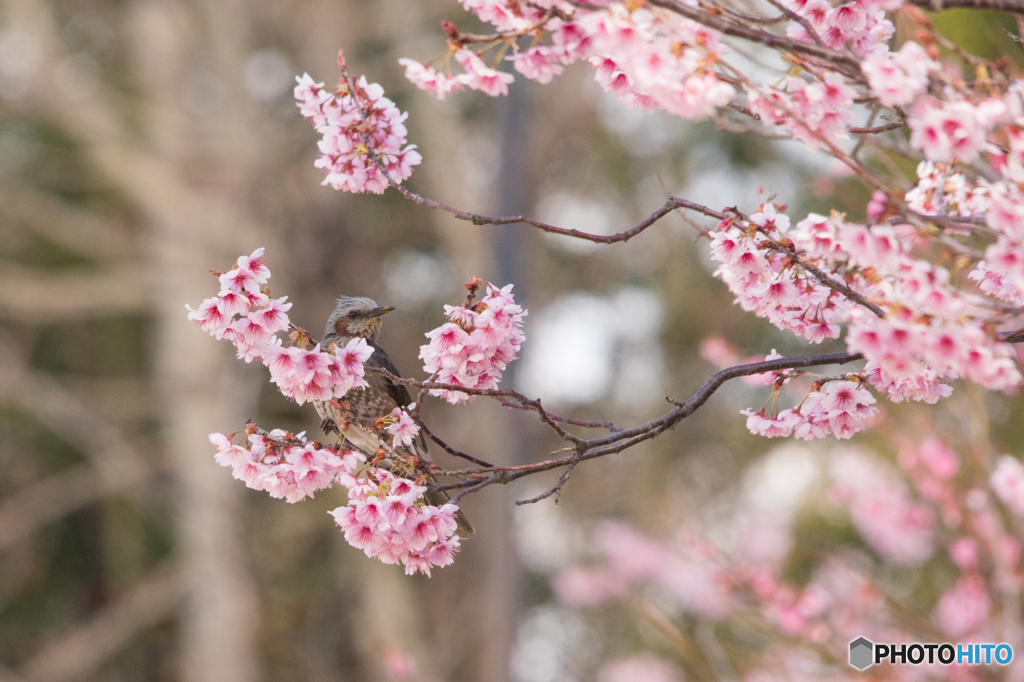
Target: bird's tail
x=439 y=498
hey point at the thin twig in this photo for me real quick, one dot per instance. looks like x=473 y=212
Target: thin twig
x=825 y=279
x=564 y=420
x=448 y=448
x=557 y=490
x=622 y=440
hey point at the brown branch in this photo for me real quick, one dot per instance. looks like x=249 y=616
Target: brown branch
x=800 y=20
x=825 y=279
x=879 y=129
x=845 y=62
x=671 y=204
x=622 y=440
x=533 y=403
x=564 y=420
x=557 y=489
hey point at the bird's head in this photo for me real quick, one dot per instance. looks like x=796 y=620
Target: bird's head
x=355 y=316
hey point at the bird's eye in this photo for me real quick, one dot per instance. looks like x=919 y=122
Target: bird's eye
x=351 y=314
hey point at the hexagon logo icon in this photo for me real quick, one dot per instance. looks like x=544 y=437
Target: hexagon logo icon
x=861 y=653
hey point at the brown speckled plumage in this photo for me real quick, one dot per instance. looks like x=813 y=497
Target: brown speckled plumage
x=356 y=317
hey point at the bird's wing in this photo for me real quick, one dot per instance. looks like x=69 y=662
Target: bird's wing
x=381 y=360
x=398 y=392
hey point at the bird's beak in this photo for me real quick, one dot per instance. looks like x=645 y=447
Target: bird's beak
x=377 y=312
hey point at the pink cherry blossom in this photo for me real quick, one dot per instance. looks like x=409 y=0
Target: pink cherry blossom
x=898 y=528
x=475 y=347
x=284 y=465
x=404 y=429
x=964 y=553
x=479 y=76
x=1007 y=482
x=579 y=586
x=964 y=607
x=300 y=374
x=539 y=63
x=387 y=518
x=898 y=78
x=346 y=143
x=948 y=130
x=428 y=78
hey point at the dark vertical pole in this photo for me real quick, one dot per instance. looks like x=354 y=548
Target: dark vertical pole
x=512 y=187
x=503 y=596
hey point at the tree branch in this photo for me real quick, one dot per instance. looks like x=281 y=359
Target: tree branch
x=615 y=442
x=846 y=62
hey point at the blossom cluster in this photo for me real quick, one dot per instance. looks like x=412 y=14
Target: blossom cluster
x=843 y=597
x=881 y=508
x=687 y=571
x=942 y=191
x=286 y=466
x=930 y=331
x=244 y=314
x=1001 y=273
x=860 y=25
x=947 y=130
x=477 y=76
x=475 y=346
x=358 y=123
x=1008 y=483
x=650 y=60
x=387 y=518
x=898 y=77
x=841 y=408
x=402 y=427
x=816 y=113
x=768 y=285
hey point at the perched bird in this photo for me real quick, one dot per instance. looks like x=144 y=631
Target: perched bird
x=356 y=418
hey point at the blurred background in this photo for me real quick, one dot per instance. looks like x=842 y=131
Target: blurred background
x=146 y=142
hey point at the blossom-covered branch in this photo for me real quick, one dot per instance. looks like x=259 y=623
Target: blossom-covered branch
x=620 y=439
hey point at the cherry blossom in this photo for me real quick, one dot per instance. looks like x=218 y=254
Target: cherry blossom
x=1007 y=482
x=538 y=63
x=387 y=518
x=427 y=78
x=841 y=409
x=404 y=429
x=888 y=519
x=947 y=130
x=347 y=143
x=300 y=373
x=284 y=465
x=473 y=349
x=943 y=191
x=898 y=77
x=964 y=607
x=845 y=595
x=480 y=77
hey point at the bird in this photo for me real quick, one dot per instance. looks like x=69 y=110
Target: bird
x=356 y=415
